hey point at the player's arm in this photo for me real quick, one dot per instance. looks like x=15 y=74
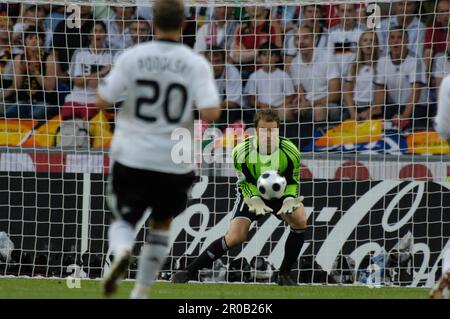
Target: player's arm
x=292 y=171
x=210 y=115
x=113 y=85
x=206 y=95
x=246 y=182
x=292 y=201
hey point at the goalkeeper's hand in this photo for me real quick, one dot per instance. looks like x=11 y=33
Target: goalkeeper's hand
x=256 y=205
x=290 y=204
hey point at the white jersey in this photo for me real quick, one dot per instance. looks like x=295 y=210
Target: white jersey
x=343 y=45
x=363 y=90
x=315 y=75
x=443 y=112
x=229 y=84
x=399 y=78
x=270 y=88
x=162 y=80
x=441 y=65
x=85 y=62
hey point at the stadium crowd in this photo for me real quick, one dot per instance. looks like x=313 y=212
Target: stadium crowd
x=317 y=64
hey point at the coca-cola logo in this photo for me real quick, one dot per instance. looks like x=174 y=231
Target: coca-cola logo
x=353 y=218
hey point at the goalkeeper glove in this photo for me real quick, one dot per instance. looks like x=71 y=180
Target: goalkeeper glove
x=256 y=205
x=290 y=204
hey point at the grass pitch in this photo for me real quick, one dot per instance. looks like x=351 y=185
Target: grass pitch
x=19 y=288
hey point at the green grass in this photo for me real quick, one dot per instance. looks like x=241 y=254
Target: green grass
x=54 y=288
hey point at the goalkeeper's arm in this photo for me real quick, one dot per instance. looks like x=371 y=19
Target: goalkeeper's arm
x=292 y=171
x=246 y=182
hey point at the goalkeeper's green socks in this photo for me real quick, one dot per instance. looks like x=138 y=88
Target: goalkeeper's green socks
x=151 y=260
x=292 y=249
x=212 y=253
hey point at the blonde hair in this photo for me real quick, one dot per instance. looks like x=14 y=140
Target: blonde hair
x=4 y=20
x=373 y=59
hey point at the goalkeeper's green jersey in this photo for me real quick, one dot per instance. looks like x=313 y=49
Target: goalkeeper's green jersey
x=250 y=164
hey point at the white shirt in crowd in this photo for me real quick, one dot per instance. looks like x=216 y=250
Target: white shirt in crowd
x=290 y=47
x=211 y=34
x=115 y=39
x=363 y=89
x=314 y=76
x=270 y=88
x=442 y=120
x=398 y=78
x=84 y=62
x=230 y=84
x=343 y=45
x=162 y=80
x=416 y=34
x=441 y=65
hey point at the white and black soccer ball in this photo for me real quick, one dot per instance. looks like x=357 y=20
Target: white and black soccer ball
x=271 y=185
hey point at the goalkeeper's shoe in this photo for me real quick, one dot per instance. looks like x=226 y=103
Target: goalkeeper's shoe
x=116 y=273
x=442 y=288
x=183 y=277
x=285 y=280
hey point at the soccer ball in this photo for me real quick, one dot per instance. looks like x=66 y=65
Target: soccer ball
x=271 y=185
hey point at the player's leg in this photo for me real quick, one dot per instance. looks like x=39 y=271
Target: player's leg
x=294 y=243
x=237 y=234
x=168 y=200
x=442 y=287
x=152 y=257
x=126 y=201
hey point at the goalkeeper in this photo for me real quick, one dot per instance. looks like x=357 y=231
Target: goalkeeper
x=252 y=157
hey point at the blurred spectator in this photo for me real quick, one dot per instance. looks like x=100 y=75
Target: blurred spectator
x=269 y=86
x=359 y=87
x=259 y=29
x=189 y=27
x=68 y=38
x=400 y=77
x=436 y=35
x=343 y=38
x=55 y=16
x=118 y=32
x=441 y=66
x=331 y=15
x=229 y=84
x=312 y=19
x=316 y=78
x=6 y=57
x=289 y=16
x=88 y=66
x=33 y=89
x=139 y=31
x=404 y=15
x=32 y=16
x=219 y=32
x=201 y=14
x=361 y=14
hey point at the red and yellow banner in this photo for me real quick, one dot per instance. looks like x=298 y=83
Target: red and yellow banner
x=352 y=132
x=427 y=142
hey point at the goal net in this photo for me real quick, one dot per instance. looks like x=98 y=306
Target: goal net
x=354 y=83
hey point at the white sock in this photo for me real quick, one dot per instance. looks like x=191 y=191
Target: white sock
x=139 y=291
x=151 y=260
x=121 y=237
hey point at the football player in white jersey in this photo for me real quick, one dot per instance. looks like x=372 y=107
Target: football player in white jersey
x=442 y=126
x=161 y=80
